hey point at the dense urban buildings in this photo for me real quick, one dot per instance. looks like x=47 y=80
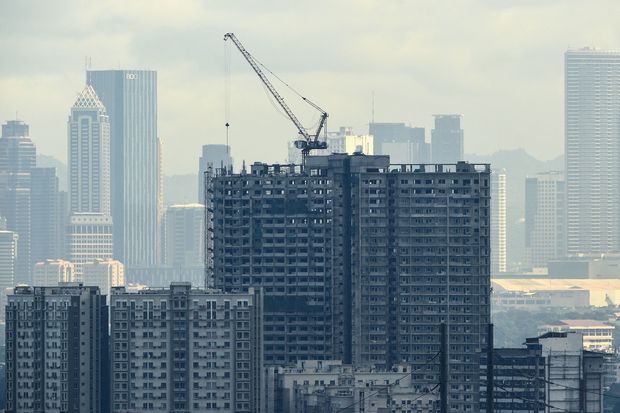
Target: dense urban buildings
x=214 y=156
x=130 y=100
x=184 y=236
x=404 y=144
x=328 y=386
x=17 y=159
x=49 y=273
x=498 y=222
x=57 y=349
x=447 y=139
x=545 y=218
x=183 y=349
x=362 y=262
x=552 y=373
x=592 y=146
x=596 y=335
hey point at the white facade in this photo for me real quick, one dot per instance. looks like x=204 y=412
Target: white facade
x=104 y=274
x=545 y=235
x=89 y=155
x=597 y=336
x=592 y=126
x=498 y=222
x=89 y=237
x=49 y=273
x=345 y=141
x=8 y=260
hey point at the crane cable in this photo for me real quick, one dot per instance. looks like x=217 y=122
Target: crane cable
x=227 y=92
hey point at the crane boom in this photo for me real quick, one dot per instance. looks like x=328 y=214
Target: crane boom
x=311 y=141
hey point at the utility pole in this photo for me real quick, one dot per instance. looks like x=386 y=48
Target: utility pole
x=443 y=370
x=490 y=375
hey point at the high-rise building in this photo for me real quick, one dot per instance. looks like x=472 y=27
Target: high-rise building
x=362 y=262
x=45 y=215
x=8 y=260
x=50 y=273
x=89 y=237
x=345 y=141
x=545 y=218
x=130 y=99
x=447 y=139
x=214 y=156
x=184 y=235
x=17 y=159
x=498 y=222
x=404 y=144
x=186 y=350
x=592 y=146
x=57 y=350
x=89 y=154
x=104 y=274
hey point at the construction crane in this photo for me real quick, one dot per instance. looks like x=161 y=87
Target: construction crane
x=309 y=142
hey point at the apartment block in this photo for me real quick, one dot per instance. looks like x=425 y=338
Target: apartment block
x=362 y=261
x=180 y=349
x=49 y=273
x=57 y=349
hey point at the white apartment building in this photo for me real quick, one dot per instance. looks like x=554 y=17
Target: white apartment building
x=49 y=273
x=597 y=336
x=105 y=274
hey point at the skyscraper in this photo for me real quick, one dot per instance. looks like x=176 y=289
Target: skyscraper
x=17 y=158
x=216 y=156
x=90 y=226
x=447 y=139
x=362 y=262
x=45 y=214
x=130 y=99
x=404 y=144
x=545 y=218
x=345 y=141
x=184 y=235
x=57 y=349
x=498 y=222
x=592 y=145
x=89 y=154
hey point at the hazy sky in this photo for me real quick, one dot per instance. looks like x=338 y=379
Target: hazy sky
x=499 y=63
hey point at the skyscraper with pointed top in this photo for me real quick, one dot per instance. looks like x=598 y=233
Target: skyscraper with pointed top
x=90 y=223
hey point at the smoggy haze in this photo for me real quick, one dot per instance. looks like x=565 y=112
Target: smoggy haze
x=499 y=63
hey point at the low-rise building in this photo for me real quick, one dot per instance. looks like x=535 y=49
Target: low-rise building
x=187 y=350
x=328 y=386
x=49 y=273
x=597 y=336
x=539 y=300
x=552 y=373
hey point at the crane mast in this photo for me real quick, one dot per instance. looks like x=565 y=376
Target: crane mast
x=310 y=142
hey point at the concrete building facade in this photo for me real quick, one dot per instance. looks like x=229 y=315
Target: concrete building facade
x=447 y=139
x=89 y=237
x=214 y=156
x=183 y=236
x=50 y=273
x=8 y=260
x=402 y=143
x=499 y=256
x=592 y=147
x=130 y=100
x=57 y=350
x=361 y=260
x=104 y=274
x=545 y=218
x=189 y=350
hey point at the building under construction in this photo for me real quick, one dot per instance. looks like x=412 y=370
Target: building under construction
x=362 y=261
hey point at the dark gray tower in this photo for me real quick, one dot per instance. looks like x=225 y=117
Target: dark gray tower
x=447 y=139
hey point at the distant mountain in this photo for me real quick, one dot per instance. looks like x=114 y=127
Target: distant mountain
x=46 y=161
x=180 y=189
x=518 y=165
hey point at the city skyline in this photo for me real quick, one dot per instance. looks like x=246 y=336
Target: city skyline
x=421 y=60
